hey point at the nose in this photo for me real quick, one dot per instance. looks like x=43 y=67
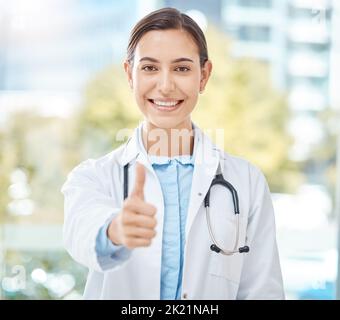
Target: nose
x=166 y=83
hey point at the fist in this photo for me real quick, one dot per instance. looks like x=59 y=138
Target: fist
x=135 y=225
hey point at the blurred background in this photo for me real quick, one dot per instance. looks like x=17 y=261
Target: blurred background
x=63 y=97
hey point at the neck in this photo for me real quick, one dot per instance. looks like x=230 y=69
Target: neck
x=168 y=142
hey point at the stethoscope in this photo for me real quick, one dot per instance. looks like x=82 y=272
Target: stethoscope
x=217 y=180
x=216 y=247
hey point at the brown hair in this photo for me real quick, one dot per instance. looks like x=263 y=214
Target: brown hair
x=164 y=19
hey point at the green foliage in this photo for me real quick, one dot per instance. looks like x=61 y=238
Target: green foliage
x=109 y=107
x=40 y=146
x=45 y=148
x=55 y=263
x=6 y=164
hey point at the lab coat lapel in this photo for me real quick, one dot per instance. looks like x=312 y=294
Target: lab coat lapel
x=133 y=151
x=205 y=167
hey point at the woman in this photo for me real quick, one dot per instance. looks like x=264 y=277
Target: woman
x=143 y=218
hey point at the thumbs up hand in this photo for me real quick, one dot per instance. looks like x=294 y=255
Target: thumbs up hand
x=138 y=190
x=135 y=225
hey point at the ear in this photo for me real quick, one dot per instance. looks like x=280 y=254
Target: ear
x=128 y=71
x=205 y=74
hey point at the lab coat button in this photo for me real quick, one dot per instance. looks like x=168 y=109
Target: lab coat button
x=185 y=296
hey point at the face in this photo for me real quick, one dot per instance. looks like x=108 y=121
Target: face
x=166 y=77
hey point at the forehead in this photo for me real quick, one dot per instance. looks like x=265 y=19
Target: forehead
x=167 y=44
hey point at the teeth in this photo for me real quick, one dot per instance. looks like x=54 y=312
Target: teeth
x=166 y=104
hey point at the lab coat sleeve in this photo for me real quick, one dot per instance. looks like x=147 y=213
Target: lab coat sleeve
x=87 y=207
x=261 y=276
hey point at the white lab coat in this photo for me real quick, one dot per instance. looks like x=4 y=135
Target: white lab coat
x=94 y=194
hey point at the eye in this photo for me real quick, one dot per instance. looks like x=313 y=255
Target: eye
x=149 y=68
x=182 y=69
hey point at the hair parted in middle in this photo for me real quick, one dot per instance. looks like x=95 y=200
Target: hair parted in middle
x=165 y=19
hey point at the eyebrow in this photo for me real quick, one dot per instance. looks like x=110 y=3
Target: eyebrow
x=173 y=61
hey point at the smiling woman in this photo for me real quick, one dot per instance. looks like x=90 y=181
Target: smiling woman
x=166 y=79
x=171 y=236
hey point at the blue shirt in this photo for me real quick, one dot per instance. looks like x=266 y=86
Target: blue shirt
x=175 y=177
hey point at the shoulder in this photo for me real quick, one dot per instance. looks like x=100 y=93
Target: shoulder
x=235 y=166
x=99 y=166
x=240 y=165
x=250 y=179
x=94 y=173
x=244 y=172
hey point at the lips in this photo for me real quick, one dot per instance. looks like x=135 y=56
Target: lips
x=165 y=105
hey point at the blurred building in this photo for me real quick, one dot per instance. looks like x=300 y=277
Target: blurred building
x=212 y=9
x=335 y=57
x=294 y=37
x=50 y=50
x=56 y=45
x=3 y=45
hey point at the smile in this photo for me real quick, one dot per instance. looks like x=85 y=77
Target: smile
x=165 y=105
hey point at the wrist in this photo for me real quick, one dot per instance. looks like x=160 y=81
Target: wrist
x=112 y=233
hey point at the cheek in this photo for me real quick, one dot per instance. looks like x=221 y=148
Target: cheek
x=191 y=89
x=141 y=86
x=191 y=85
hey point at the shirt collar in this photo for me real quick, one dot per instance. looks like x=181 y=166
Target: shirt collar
x=184 y=159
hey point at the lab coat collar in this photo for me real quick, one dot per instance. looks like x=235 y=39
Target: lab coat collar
x=133 y=151
x=134 y=148
x=206 y=160
x=161 y=160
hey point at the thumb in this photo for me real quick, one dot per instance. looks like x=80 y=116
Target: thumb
x=138 y=190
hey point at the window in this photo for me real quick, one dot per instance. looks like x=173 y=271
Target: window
x=254 y=33
x=255 y=3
